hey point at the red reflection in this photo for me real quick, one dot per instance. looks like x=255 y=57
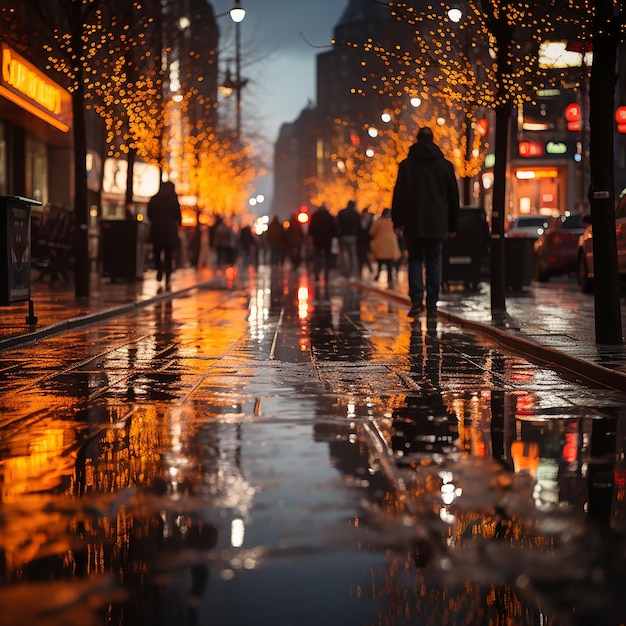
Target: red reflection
x=570 y=447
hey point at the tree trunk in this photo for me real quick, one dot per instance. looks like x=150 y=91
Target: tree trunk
x=82 y=268
x=498 y=283
x=130 y=179
x=608 y=323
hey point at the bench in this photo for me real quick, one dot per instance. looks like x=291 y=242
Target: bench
x=52 y=243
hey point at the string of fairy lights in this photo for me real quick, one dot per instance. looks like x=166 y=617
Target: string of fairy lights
x=461 y=64
x=127 y=68
x=458 y=68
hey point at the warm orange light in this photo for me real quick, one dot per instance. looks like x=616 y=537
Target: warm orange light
x=530 y=149
x=536 y=173
x=23 y=84
x=482 y=127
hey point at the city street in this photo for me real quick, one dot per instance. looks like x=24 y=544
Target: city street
x=273 y=452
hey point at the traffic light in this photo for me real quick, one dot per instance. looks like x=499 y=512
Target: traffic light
x=303 y=214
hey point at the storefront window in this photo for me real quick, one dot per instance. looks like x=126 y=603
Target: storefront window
x=36 y=170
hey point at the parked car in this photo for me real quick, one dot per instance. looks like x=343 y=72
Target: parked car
x=556 y=250
x=585 y=248
x=528 y=226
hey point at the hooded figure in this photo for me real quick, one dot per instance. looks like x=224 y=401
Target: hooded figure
x=165 y=218
x=426 y=206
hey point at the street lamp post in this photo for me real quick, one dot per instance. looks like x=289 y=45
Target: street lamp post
x=237 y=14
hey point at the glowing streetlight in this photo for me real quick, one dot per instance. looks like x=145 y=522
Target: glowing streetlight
x=455 y=15
x=237 y=14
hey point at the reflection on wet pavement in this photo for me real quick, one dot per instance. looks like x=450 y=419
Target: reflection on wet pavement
x=287 y=453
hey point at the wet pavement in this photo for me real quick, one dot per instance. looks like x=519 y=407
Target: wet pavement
x=260 y=450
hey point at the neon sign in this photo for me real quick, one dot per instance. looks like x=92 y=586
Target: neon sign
x=25 y=85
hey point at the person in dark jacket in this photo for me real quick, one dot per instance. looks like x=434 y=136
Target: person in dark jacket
x=322 y=230
x=275 y=238
x=165 y=219
x=425 y=206
x=349 y=225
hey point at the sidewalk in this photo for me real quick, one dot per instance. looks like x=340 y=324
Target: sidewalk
x=551 y=323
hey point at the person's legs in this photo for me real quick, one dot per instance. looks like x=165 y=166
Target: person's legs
x=318 y=262
x=432 y=257
x=168 y=252
x=416 y=275
x=378 y=270
x=156 y=253
x=326 y=262
x=349 y=255
x=389 y=264
x=354 y=260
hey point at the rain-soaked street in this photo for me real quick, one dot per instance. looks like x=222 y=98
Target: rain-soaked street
x=271 y=454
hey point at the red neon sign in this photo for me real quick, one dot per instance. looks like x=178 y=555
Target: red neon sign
x=482 y=126
x=530 y=149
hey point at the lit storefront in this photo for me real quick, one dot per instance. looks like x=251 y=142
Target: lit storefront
x=145 y=184
x=544 y=178
x=35 y=132
x=549 y=153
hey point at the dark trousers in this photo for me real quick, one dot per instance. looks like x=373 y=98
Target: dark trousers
x=424 y=256
x=162 y=260
x=321 y=262
x=389 y=264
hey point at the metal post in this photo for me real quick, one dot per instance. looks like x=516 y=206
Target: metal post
x=238 y=82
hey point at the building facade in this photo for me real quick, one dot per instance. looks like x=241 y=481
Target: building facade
x=35 y=132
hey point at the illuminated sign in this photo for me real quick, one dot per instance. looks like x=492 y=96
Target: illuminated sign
x=620 y=118
x=23 y=84
x=529 y=149
x=572 y=115
x=536 y=173
x=556 y=147
x=482 y=127
x=558 y=54
x=145 y=178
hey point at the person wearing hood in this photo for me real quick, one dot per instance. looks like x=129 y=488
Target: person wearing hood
x=165 y=219
x=426 y=207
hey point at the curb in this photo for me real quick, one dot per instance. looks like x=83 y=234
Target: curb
x=95 y=317
x=535 y=352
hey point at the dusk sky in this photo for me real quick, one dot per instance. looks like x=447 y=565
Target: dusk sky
x=276 y=58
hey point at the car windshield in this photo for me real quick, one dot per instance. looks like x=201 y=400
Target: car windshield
x=572 y=221
x=524 y=222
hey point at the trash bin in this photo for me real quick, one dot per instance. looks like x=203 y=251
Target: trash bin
x=16 y=248
x=123 y=249
x=463 y=255
x=518 y=262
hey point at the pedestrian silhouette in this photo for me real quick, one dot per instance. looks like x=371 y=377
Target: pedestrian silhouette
x=385 y=245
x=322 y=230
x=426 y=206
x=165 y=219
x=349 y=226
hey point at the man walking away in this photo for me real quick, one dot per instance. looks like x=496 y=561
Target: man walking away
x=349 y=225
x=426 y=206
x=165 y=219
x=322 y=230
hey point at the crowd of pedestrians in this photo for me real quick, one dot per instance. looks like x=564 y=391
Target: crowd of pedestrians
x=424 y=211
x=350 y=244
